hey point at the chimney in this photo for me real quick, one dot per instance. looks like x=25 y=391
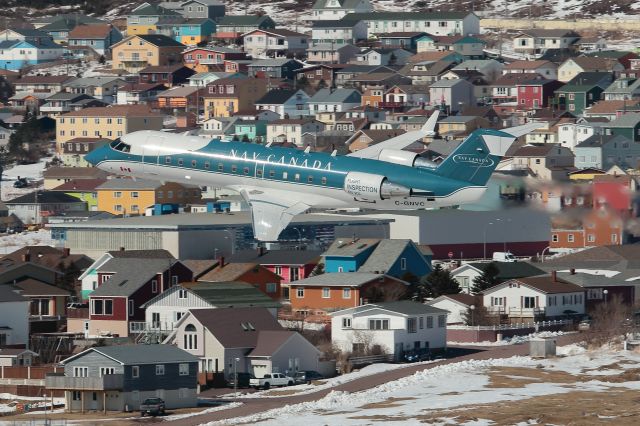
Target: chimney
x=221 y=261
x=554 y=276
x=26 y=257
x=572 y=271
x=66 y=252
x=260 y=251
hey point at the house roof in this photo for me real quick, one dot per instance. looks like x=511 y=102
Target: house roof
x=509 y=270
x=236 y=327
x=229 y=272
x=13 y=352
x=385 y=254
x=147 y=9
x=231 y=294
x=331 y=96
x=628 y=120
x=140 y=354
x=90 y=32
x=542 y=33
x=242 y=20
x=269 y=341
x=33 y=287
x=350 y=247
x=125 y=183
x=199 y=266
x=159 y=40
x=545 y=284
x=277 y=257
x=609 y=107
x=595 y=141
x=9 y=294
x=141 y=254
x=344 y=4
x=534 y=150
x=283 y=32
x=43 y=79
x=408 y=16
x=590 y=63
x=178 y=92
x=80 y=185
x=342 y=23
x=404 y=307
x=115 y=111
x=44 y=197
x=73 y=173
x=462 y=298
x=276 y=96
x=129 y=274
x=162 y=69
x=341 y=279
x=529 y=65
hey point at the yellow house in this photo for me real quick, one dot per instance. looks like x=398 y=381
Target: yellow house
x=140 y=51
x=145 y=19
x=226 y=96
x=105 y=123
x=585 y=174
x=132 y=197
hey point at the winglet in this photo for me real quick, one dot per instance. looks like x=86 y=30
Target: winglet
x=430 y=126
x=518 y=131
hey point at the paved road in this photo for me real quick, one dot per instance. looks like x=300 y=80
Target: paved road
x=257 y=405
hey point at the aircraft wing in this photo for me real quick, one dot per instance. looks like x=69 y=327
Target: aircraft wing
x=399 y=142
x=272 y=213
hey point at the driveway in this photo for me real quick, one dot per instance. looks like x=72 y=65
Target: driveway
x=257 y=405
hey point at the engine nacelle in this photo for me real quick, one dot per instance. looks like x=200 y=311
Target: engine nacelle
x=405 y=158
x=371 y=187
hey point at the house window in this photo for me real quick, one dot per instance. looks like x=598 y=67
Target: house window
x=326 y=292
x=271 y=287
x=570 y=238
x=412 y=325
x=300 y=292
x=76 y=396
x=378 y=324
x=346 y=322
x=529 y=302
x=117 y=194
x=403 y=264
x=182 y=293
x=131 y=308
x=554 y=238
x=346 y=293
x=102 y=307
x=183 y=369
x=174 y=280
x=135 y=371
x=135 y=194
x=429 y=322
x=154 y=286
x=442 y=320
x=190 y=337
x=614 y=238
x=591 y=238
x=80 y=371
x=107 y=370
x=159 y=369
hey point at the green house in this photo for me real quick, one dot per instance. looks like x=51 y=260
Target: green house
x=575 y=98
x=82 y=189
x=627 y=125
x=250 y=129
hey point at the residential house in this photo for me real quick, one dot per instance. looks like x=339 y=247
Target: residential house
x=574 y=66
x=60 y=103
x=74 y=150
x=105 y=122
x=392 y=327
x=366 y=137
x=341 y=290
x=202 y=59
x=145 y=18
x=124 y=285
x=47 y=303
x=201 y=79
x=460 y=126
x=212 y=9
x=20 y=54
x=132 y=197
x=284 y=68
x=546 y=69
x=231 y=28
x=457 y=306
x=163 y=312
x=83 y=190
x=228 y=95
x=382 y=56
x=266 y=281
x=229 y=341
x=576 y=98
x=532 y=298
x=427 y=72
x=431 y=22
x=99 y=87
x=490 y=68
x=383 y=79
x=34 y=207
x=336 y=9
x=60 y=26
x=627 y=125
x=338 y=32
x=291 y=130
x=27 y=100
x=469 y=46
x=169 y=75
x=331 y=53
x=25 y=34
x=604 y=151
x=536 y=93
x=621 y=56
x=286 y=102
x=55 y=176
x=546 y=161
x=274 y=42
x=402 y=40
x=590 y=44
x=121 y=377
x=186 y=98
x=571 y=134
x=616 y=191
x=453 y=94
x=536 y=42
x=98 y=37
x=14 y=324
x=339 y=100
x=623 y=89
x=137 y=52
x=136 y=93
x=42 y=83
x=249 y=130
x=17 y=357
x=189 y=32
x=467 y=272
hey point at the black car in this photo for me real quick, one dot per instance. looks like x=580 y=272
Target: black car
x=243 y=380
x=307 y=376
x=152 y=406
x=21 y=183
x=417 y=355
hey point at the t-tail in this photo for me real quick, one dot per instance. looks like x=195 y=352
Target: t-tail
x=475 y=159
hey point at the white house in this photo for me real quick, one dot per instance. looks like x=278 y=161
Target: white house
x=529 y=298
x=225 y=339
x=547 y=69
x=285 y=102
x=433 y=23
x=14 y=321
x=339 y=100
x=490 y=68
x=457 y=305
x=570 y=68
x=335 y=9
x=571 y=135
x=17 y=54
x=338 y=32
x=274 y=42
x=537 y=41
x=291 y=130
x=394 y=327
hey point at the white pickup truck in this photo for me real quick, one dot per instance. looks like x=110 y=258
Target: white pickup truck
x=274 y=379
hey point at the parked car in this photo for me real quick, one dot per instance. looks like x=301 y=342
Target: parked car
x=307 y=377
x=504 y=256
x=274 y=379
x=584 y=325
x=152 y=406
x=244 y=380
x=417 y=355
x=21 y=183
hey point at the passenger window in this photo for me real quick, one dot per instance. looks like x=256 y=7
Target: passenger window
x=207 y=165
x=324 y=180
x=296 y=177
x=167 y=160
x=246 y=170
x=259 y=173
x=194 y=163
x=220 y=167
x=234 y=169
x=310 y=179
x=285 y=175
x=272 y=173
x=180 y=162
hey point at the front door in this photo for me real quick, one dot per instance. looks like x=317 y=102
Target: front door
x=86 y=329
x=93 y=402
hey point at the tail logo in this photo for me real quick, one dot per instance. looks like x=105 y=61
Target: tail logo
x=473 y=159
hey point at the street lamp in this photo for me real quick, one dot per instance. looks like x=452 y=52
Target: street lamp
x=473 y=308
x=235 y=376
x=605 y=292
x=484 y=256
x=45 y=408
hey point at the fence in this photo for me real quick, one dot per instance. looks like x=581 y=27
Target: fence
x=370 y=359
x=490 y=333
x=25 y=380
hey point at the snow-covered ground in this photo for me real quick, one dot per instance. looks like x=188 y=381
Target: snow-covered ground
x=9 y=401
x=13 y=242
x=33 y=173
x=515 y=340
x=454 y=385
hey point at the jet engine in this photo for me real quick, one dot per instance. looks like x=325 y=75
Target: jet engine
x=371 y=187
x=405 y=158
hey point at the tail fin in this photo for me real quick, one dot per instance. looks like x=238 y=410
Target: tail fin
x=475 y=159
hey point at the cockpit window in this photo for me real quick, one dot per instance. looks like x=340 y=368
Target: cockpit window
x=118 y=145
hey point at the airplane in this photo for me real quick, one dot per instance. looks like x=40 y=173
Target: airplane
x=279 y=183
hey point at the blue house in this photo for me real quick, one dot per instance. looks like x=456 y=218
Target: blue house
x=17 y=54
x=193 y=31
x=392 y=257
x=99 y=37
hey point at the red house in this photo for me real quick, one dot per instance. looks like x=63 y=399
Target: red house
x=536 y=93
x=124 y=284
x=616 y=192
x=202 y=56
x=248 y=272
